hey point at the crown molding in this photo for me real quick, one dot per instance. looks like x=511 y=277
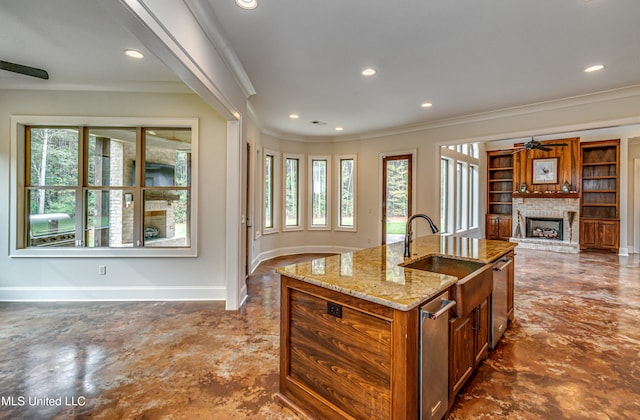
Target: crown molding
x=301 y=139
x=613 y=94
x=203 y=13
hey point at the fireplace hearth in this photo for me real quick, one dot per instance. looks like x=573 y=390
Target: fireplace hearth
x=544 y=228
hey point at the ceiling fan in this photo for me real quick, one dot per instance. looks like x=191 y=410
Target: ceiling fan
x=538 y=145
x=22 y=69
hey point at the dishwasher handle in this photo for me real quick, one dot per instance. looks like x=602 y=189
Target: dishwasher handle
x=505 y=264
x=445 y=305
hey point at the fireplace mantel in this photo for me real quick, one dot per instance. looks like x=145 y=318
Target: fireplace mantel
x=573 y=194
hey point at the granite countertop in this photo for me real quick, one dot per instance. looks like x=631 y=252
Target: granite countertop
x=374 y=274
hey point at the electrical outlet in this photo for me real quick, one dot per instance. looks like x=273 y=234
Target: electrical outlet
x=102 y=270
x=334 y=309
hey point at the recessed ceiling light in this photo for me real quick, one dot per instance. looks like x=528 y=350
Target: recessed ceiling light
x=133 y=53
x=427 y=105
x=339 y=128
x=247 y=4
x=368 y=72
x=294 y=116
x=151 y=132
x=597 y=67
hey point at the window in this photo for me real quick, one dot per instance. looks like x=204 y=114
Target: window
x=459 y=188
x=319 y=197
x=461 y=195
x=474 y=204
x=445 y=187
x=292 y=202
x=84 y=188
x=269 y=192
x=347 y=193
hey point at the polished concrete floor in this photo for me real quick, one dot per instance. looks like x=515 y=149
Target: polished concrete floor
x=572 y=353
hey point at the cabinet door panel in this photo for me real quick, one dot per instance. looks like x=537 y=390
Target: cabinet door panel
x=493 y=227
x=588 y=233
x=335 y=355
x=461 y=363
x=481 y=327
x=609 y=234
x=504 y=228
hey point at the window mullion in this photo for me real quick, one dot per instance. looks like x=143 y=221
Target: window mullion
x=138 y=191
x=81 y=215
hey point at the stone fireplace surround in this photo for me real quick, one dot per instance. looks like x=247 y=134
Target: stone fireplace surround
x=548 y=207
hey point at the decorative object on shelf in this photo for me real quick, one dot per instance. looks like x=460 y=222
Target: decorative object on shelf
x=566 y=187
x=545 y=171
x=523 y=188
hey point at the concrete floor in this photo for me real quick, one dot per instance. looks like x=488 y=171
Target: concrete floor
x=573 y=352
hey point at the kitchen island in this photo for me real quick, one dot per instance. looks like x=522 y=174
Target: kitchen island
x=350 y=327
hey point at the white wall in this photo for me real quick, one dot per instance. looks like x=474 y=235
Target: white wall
x=585 y=113
x=201 y=277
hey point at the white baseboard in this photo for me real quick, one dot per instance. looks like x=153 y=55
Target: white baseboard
x=244 y=295
x=311 y=249
x=80 y=294
x=634 y=249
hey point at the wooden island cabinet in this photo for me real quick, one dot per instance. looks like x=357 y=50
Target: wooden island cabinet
x=344 y=357
x=350 y=329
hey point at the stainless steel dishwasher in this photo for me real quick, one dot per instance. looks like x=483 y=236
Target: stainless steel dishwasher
x=499 y=305
x=434 y=357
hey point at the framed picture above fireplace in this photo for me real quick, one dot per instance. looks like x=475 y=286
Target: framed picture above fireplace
x=545 y=171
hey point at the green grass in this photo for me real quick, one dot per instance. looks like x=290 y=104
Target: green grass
x=396 y=227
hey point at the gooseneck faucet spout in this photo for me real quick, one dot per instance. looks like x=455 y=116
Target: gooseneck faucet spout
x=407 y=236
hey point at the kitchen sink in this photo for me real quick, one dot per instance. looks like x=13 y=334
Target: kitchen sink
x=445 y=265
x=475 y=279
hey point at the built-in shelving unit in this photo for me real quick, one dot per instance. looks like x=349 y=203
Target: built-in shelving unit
x=600 y=202
x=499 y=194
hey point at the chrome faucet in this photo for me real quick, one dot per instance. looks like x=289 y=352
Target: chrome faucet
x=407 y=236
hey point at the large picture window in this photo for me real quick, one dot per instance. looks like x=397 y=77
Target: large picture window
x=85 y=188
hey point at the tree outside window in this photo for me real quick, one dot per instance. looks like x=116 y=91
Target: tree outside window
x=347 y=197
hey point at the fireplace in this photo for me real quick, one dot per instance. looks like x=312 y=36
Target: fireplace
x=155 y=224
x=544 y=228
x=547 y=223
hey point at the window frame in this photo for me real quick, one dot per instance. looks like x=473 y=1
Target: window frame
x=275 y=187
x=310 y=191
x=339 y=225
x=446 y=199
x=300 y=201
x=18 y=203
x=461 y=219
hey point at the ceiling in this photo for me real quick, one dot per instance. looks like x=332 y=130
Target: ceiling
x=79 y=45
x=306 y=57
